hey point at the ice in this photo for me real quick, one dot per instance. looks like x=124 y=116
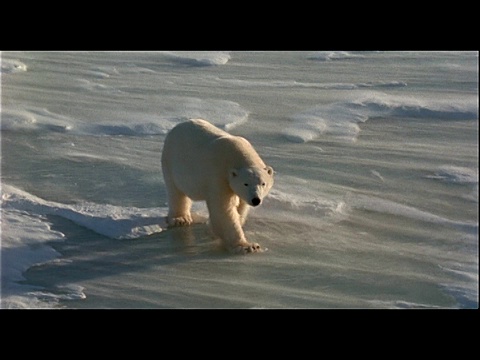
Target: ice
x=108 y=220
x=333 y=55
x=33 y=118
x=390 y=207
x=384 y=220
x=341 y=119
x=199 y=58
x=24 y=243
x=456 y=174
x=9 y=66
x=222 y=113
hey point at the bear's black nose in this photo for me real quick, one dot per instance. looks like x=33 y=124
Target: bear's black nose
x=256 y=201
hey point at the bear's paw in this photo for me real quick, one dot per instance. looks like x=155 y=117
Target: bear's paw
x=247 y=248
x=180 y=221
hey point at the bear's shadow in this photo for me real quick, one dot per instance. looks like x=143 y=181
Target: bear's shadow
x=86 y=255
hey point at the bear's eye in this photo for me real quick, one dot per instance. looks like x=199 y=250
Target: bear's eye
x=245 y=184
x=263 y=184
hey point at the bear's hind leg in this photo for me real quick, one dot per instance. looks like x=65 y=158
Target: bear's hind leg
x=179 y=205
x=179 y=210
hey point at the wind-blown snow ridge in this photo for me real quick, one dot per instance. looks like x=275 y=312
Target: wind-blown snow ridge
x=108 y=220
x=341 y=119
x=390 y=207
x=456 y=174
x=333 y=55
x=12 y=66
x=199 y=58
x=173 y=110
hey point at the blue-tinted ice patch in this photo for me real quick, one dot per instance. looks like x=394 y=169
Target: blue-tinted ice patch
x=25 y=242
x=466 y=297
x=456 y=175
x=18 y=255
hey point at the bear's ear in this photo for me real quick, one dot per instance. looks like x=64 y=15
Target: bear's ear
x=233 y=173
x=269 y=170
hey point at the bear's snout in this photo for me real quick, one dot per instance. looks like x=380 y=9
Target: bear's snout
x=256 y=201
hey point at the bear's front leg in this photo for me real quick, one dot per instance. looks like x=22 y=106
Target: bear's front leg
x=243 y=209
x=227 y=225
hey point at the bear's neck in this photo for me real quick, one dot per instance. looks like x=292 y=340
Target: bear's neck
x=245 y=154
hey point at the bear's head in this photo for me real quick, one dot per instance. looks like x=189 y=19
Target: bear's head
x=251 y=184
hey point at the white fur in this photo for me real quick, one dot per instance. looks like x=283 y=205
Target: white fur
x=203 y=162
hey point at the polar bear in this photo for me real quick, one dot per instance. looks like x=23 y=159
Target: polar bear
x=203 y=162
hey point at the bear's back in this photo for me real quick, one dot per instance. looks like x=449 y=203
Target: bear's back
x=197 y=130
x=197 y=139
